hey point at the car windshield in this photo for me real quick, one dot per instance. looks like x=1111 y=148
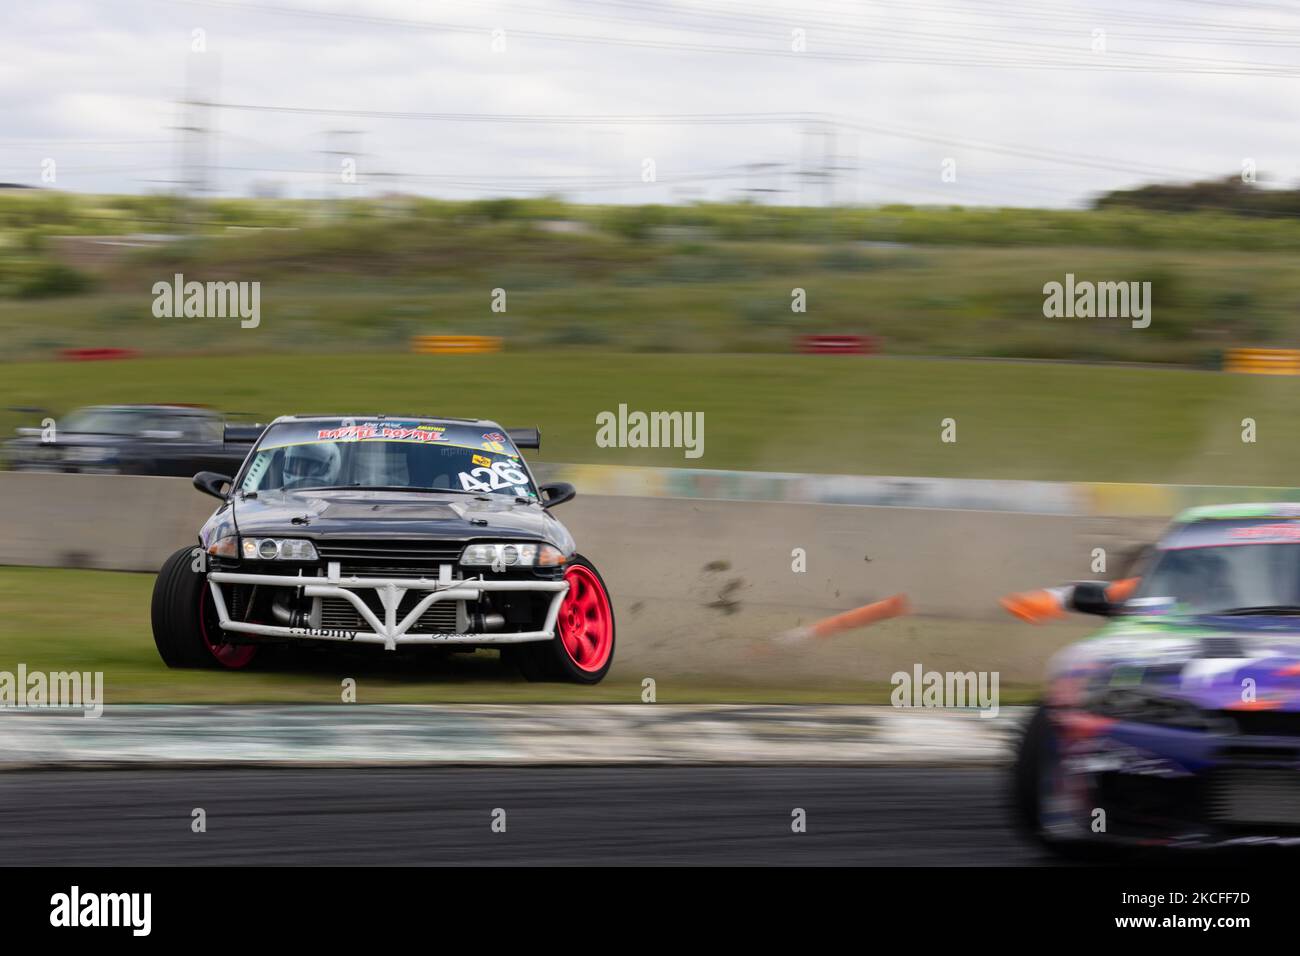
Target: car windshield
x=108 y=421
x=392 y=455
x=1227 y=577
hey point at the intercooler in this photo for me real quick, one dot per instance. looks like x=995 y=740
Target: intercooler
x=1256 y=797
x=386 y=561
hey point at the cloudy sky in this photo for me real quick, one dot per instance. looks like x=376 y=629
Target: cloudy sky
x=1027 y=102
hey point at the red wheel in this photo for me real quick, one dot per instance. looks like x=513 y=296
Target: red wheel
x=583 y=647
x=586 y=623
x=229 y=656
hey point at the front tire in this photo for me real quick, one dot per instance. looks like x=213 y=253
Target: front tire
x=1027 y=775
x=582 y=650
x=186 y=626
x=1035 y=766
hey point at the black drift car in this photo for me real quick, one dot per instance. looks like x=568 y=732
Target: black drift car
x=391 y=532
x=169 y=440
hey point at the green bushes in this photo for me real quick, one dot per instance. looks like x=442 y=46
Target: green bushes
x=47 y=280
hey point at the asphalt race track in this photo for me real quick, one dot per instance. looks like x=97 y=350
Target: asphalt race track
x=554 y=815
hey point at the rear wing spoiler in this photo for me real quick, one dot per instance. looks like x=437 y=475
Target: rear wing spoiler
x=525 y=437
x=243 y=434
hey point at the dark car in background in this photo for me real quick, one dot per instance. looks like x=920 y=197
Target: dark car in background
x=171 y=440
x=389 y=532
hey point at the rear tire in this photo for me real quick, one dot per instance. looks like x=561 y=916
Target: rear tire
x=186 y=628
x=582 y=650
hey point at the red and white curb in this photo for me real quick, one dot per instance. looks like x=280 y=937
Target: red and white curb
x=166 y=735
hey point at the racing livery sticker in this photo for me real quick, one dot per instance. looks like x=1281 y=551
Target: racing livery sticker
x=501 y=474
x=370 y=432
x=397 y=430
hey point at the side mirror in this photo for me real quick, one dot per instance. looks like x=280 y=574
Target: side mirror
x=210 y=483
x=1089 y=597
x=557 y=493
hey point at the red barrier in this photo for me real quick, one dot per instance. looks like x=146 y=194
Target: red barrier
x=838 y=344
x=95 y=355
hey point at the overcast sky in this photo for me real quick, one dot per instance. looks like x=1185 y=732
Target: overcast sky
x=1034 y=102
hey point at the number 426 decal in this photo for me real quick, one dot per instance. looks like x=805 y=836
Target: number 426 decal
x=502 y=474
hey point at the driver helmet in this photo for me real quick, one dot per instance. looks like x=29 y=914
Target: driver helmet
x=310 y=464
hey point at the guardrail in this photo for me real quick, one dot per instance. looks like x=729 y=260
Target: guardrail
x=455 y=344
x=1263 y=361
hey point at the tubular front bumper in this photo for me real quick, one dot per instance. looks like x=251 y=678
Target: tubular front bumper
x=390 y=632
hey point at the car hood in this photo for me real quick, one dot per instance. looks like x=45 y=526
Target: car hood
x=389 y=514
x=1205 y=658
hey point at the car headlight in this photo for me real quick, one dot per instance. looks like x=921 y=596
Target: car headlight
x=278 y=549
x=1141 y=706
x=227 y=547
x=512 y=555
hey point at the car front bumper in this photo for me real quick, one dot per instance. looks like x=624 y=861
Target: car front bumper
x=388 y=630
x=1163 y=786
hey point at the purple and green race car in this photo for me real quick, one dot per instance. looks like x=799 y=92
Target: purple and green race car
x=1178 y=724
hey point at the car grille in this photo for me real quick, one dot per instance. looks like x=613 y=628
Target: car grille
x=439 y=617
x=1265 y=723
x=392 y=554
x=413 y=572
x=394 y=559
x=1255 y=797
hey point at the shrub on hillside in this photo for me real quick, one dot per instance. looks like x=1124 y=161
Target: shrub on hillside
x=53 y=279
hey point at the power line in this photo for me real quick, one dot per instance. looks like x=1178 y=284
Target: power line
x=1227 y=67
x=546 y=119
x=791 y=119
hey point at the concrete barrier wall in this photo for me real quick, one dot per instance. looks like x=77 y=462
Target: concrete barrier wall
x=950 y=562
x=1108 y=499
x=114 y=522
x=701 y=587
x=696 y=583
